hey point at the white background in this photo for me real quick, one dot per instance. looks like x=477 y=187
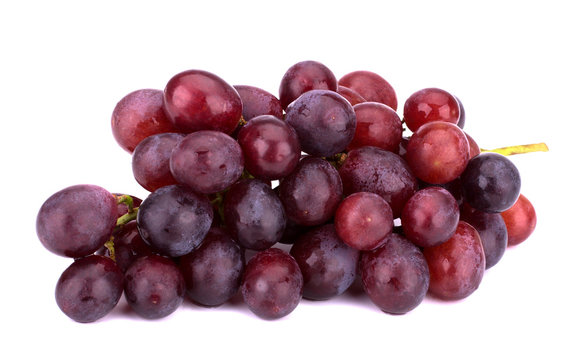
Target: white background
x=65 y=65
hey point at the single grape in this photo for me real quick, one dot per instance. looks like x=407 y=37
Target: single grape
x=199 y=100
x=457 y=265
x=174 y=220
x=254 y=214
x=89 y=288
x=213 y=272
x=430 y=217
x=77 y=221
x=438 y=152
x=256 y=101
x=474 y=149
x=520 y=221
x=371 y=86
x=428 y=105
x=352 y=96
x=324 y=121
x=272 y=284
x=491 y=183
x=377 y=125
x=128 y=246
x=151 y=160
x=312 y=192
x=375 y=170
x=207 y=161
x=363 y=220
x=395 y=276
x=139 y=115
x=270 y=146
x=154 y=287
x=328 y=265
x=305 y=76
x=461 y=122
x=491 y=229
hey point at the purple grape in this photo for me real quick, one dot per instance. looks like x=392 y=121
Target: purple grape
x=256 y=102
x=77 y=221
x=128 y=246
x=213 y=271
x=328 y=265
x=305 y=76
x=325 y=122
x=174 y=220
x=154 y=287
x=207 y=161
x=492 y=230
x=254 y=214
x=272 y=284
x=312 y=192
x=89 y=288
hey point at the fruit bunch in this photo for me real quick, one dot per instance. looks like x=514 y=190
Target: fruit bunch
x=286 y=198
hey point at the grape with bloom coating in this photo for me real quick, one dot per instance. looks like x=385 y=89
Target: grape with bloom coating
x=305 y=76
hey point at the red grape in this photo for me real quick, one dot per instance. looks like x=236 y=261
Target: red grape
x=256 y=101
x=520 y=220
x=491 y=229
x=352 y=96
x=377 y=125
x=305 y=76
x=371 y=86
x=431 y=104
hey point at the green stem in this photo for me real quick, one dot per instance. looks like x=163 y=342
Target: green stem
x=128 y=217
x=519 y=149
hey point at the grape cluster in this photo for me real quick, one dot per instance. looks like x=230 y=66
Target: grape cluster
x=279 y=199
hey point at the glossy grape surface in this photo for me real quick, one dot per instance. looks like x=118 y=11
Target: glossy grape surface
x=491 y=183
x=77 y=221
x=89 y=288
x=456 y=266
x=270 y=146
x=272 y=284
x=381 y=172
x=324 y=121
x=305 y=76
x=137 y=116
x=199 y=100
x=352 y=96
x=213 y=272
x=395 y=276
x=154 y=287
x=174 y=220
x=151 y=160
x=521 y=220
x=363 y=220
x=491 y=229
x=328 y=265
x=207 y=161
x=428 y=105
x=371 y=86
x=377 y=125
x=438 y=152
x=256 y=102
x=312 y=192
x=254 y=214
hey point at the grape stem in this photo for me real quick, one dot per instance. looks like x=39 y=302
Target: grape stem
x=122 y=220
x=518 y=149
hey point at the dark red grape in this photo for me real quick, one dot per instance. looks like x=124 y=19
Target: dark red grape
x=137 y=116
x=381 y=172
x=491 y=183
x=270 y=146
x=363 y=220
x=89 y=288
x=123 y=207
x=256 y=101
x=128 y=245
x=491 y=229
x=457 y=265
x=438 y=152
x=474 y=149
x=324 y=121
x=428 y=105
x=213 y=272
x=154 y=287
x=174 y=220
x=305 y=76
x=207 y=161
x=371 y=86
x=151 y=160
x=312 y=192
x=328 y=265
x=292 y=232
x=461 y=122
x=254 y=214
x=272 y=284
x=77 y=221
x=377 y=125
x=352 y=96
x=199 y=100
x=520 y=220
x=430 y=217
x=395 y=276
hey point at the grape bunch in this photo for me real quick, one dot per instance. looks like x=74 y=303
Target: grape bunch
x=280 y=199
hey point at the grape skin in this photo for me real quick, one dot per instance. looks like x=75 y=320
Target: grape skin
x=371 y=86
x=305 y=76
x=256 y=102
x=491 y=229
x=520 y=220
